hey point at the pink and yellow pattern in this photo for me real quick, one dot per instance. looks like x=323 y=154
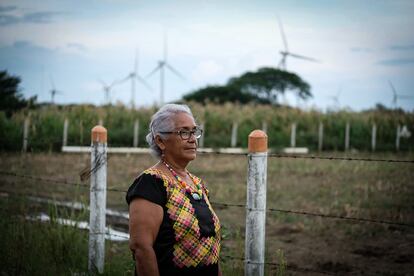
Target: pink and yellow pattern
x=190 y=249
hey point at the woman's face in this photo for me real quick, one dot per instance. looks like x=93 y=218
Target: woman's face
x=177 y=148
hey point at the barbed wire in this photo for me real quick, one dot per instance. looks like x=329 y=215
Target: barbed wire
x=58 y=181
x=279 y=155
x=367 y=220
x=331 y=216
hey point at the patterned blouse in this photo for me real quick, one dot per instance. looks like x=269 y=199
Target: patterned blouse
x=188 y=241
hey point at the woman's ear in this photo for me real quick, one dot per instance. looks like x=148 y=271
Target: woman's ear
x=159 y=142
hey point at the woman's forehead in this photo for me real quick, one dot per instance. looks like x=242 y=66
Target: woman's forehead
x=182 y=120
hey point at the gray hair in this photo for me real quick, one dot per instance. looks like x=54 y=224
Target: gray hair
x=162 y=121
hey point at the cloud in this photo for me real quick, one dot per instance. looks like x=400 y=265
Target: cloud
x=7 y=8
x=401 y=47
x=42 y=17
x=396 y=62
x=361 y=50
x=77 y=46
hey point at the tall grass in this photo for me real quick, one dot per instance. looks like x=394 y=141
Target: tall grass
x=46 y=126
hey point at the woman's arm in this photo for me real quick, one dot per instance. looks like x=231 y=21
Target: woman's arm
x=145 y=219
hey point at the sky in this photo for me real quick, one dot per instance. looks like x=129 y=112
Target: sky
x=74 y=46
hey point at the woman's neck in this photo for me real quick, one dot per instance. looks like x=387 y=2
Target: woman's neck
x=178 y=167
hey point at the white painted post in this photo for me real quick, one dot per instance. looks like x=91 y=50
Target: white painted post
x=397 y=139
x=264 y=126
x=201 y=140
x=25 y=134
x=293 y=135
x=100 y=122
x=374 y=137
x=81 y=132
x=97 y=204
x=65 y=132
x=347 y=130
x=256 y=204
x=136 y=133
x=234 y=134
x=320 y=136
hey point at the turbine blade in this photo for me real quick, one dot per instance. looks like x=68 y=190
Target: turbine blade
x=282 y=33
x=392 y=88
x=174 y=71
x=136 y=61
x=153 y=71
x=303 y=57
x=165 y=49
x=143 y=82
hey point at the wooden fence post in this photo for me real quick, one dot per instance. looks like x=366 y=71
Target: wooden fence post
x=26 y=126
x=397 y=138
x=320 y=136
x=293 y=135
x=100 y=122
x=201 y=140
x=65 y=132
x=264 y=126
x=374 y=137
x=234 y=134
x=136 y=133
x=97 y=204
x=347 y=131
x=256 y=204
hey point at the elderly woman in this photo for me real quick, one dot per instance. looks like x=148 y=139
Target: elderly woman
x=173 y=228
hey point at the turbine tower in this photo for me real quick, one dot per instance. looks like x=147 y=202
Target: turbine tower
x=397 y=96
x=53 y=92
x=107 y=90
x=285 y=53
x=162 y=64
x=133 y=76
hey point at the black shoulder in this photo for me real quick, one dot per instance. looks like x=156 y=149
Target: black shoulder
x=149 y=187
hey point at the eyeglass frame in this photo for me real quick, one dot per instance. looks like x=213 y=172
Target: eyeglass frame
x=180 y=132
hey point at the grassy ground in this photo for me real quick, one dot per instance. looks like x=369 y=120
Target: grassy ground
x=376 y=190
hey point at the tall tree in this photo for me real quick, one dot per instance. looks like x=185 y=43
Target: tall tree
x=222 y=94
x=268 y=83
x=11 y=99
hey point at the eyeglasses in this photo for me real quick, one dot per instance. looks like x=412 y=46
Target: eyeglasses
x=186 y=134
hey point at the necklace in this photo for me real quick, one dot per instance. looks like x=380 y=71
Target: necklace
x=198 y=194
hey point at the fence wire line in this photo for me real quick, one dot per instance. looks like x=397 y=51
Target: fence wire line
x=288 y=267
x=57 y=181
x=365 y=220
x=278 y=155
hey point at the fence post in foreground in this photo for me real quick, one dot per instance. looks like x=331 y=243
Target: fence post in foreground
x=320 y=136
x=347 y=130
x=293 y=135
x=234 y=134
x=201 y=140
x=374 y=137
x=256 y=204
x=136 y=132
x=25 y=134
x=65 y=132
x=97 y=200
x=397 y=138
x=264 y=126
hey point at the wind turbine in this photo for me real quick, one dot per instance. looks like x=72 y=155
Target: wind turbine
x=397 y=96
x=162 y=64
x=335 y=98
x=107 y=89
x=53 y=92
x=133 y=76
x=285 y=53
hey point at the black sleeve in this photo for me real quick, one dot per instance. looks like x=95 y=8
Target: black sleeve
x=149 y=187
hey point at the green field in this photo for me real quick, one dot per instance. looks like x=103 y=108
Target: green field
x=377 y=190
